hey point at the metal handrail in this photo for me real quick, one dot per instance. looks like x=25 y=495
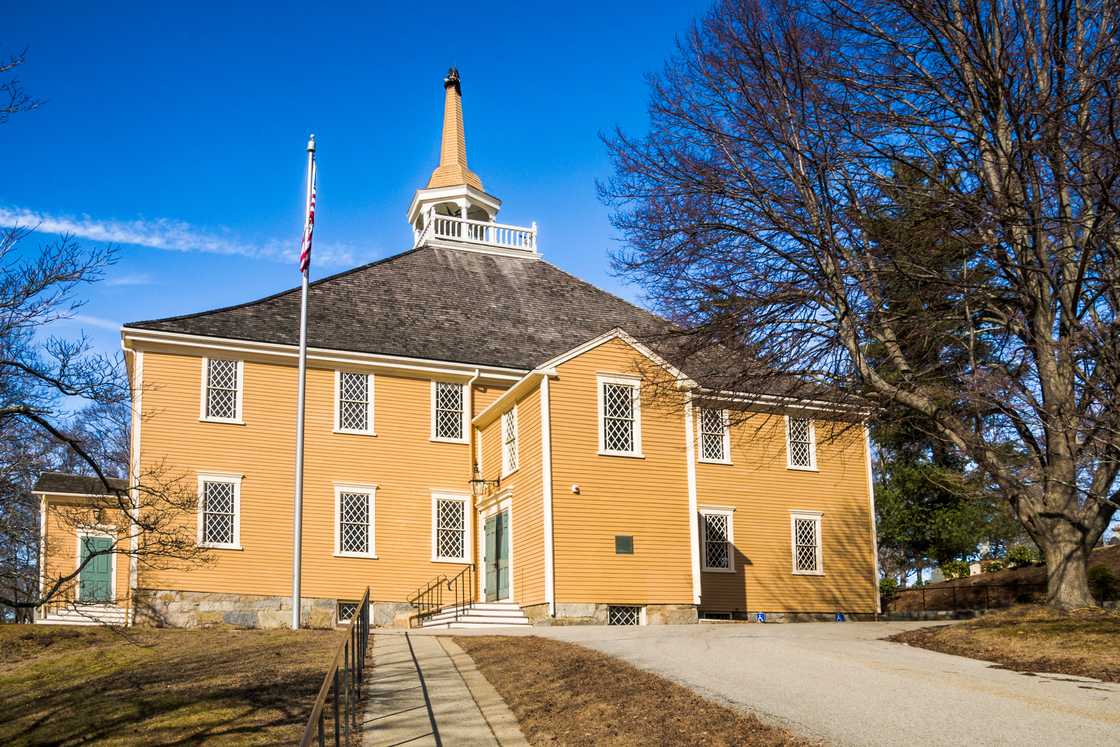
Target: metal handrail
x=428 y=601
x=343 y=680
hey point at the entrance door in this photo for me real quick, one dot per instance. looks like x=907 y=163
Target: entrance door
x=497 y=556
x=95 y=582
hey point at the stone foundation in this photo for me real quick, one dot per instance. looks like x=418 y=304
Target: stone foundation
x=537 y=614
x=596 y=614
x=195 y=609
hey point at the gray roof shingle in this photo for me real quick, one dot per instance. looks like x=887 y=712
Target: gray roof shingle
x=437 y=304
x=63 y=482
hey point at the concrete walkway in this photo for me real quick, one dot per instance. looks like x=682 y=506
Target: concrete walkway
x=425 y=690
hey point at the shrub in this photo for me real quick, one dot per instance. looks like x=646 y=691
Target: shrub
x=1021 y=555
x=1103 y=583
x=993 y=565
x=888 y=587
x=954 y=569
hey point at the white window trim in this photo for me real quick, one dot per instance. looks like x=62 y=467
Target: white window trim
x=204 y=477
x=506 y=470
x=730 y=514
x=812 y=447
x=726 y=420
x=204 y=380
x=466 y=413
x=630 y=381
x=106 y=532
x=370 y=431
x=370 y=490
x=816 y=517
x=468 y=547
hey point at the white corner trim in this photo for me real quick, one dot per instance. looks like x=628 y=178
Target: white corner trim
x=336 y=426
x=546 y=494
x=693 y=515
x=238 y=418
x=229 y=477
x=42 y=543
x=874 y=527
x=465 y=499
x=635 y=383
x=134 y=490
x=370 y=491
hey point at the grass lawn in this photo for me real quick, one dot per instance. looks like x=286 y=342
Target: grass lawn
x=1033 y=639
x=71 y=685
x=567 y=694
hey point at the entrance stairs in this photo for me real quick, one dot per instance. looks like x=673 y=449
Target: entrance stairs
x=478 y=615
x=85 y=614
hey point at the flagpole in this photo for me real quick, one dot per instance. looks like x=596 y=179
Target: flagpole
x=297 y=533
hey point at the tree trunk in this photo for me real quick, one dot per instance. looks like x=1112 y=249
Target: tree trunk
x=1067 y=573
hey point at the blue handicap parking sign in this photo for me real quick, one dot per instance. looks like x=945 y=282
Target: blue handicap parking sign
x=840 y=617
x=760 y=617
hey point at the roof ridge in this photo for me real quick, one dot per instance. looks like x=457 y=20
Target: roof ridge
x=278 y=294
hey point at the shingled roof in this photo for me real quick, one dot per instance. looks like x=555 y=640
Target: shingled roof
x=65 y=483
x=433 y=303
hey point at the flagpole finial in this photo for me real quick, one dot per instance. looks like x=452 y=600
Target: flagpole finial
x=311 y=143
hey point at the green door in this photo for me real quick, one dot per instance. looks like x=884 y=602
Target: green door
x=95 y=582
x=496 y=558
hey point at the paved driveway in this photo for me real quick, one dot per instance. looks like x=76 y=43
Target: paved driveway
x=839 y=682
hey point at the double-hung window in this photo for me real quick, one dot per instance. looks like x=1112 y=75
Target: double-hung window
x=449 y=529
x=354 y=520
x=353 y=402
x=717 y=532
x=221 y=390
x=449 y=411
x=805 y=530
x=219 y=511
x=620 y=422
x=509 y=442
x=801 y=443
x=715 y=436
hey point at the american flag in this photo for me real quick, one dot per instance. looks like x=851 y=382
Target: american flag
x=305 y=250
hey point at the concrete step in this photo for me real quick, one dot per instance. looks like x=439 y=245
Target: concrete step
x=86 y=614
x=481 y=615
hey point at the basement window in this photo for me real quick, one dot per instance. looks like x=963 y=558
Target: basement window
x=624 y=615
x=346 y=611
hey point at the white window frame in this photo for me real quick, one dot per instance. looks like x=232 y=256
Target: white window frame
x=717 y=511
x=468 y=548
x=205 y=477
x=726 y=420
x=204 y=382
x=465 y=429
x=812 y=467
x=369 y=431
x=103 y=531
x=509 y=419
x=817 y=518
x=370 y=490
x=636 y=384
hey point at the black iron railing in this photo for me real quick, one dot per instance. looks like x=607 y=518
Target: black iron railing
x=334 y=717
x=456 y=594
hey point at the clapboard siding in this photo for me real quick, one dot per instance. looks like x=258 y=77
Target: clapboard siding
x=65 y=514
x=401 y=460
x=646 y=498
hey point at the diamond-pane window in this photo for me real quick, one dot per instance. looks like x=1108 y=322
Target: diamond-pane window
x=353 y=402
x=448 y=404
x=619 y=417
x=221 y=389
x=717 y=540
x=807 y=544
x=801 y=443
x=713 y=436
x=451 y=529
x=509 y=442
x=624 y=615
x=354 y=521
x=346 y=611
x=219 y=512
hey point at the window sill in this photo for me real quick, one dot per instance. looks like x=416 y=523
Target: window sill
x=624 y=454
x=718 y=570
x=458 y=561
x=701 y=460
x=808 y=573
x=361 y=555
x=212 y=546
x=341 y=432
x=801 y=469
x=438 y=440
x=223 y=421
x=512 y=472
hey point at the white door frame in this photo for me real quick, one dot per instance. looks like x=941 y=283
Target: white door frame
x=504 y=503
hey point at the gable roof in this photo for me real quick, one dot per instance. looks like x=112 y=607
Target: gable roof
x=68 y=484
x=434 y=303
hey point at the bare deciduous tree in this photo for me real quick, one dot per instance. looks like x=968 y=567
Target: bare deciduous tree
x=775 y=134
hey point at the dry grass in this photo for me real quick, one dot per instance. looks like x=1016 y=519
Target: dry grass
x=71 y=685
x=567 y=694
x=1033 y=639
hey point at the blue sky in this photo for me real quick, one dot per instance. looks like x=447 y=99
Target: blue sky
x=178 y=134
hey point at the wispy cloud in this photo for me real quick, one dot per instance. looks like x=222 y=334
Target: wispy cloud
x=136 y=278
x=171 y=235
x=84 y=320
